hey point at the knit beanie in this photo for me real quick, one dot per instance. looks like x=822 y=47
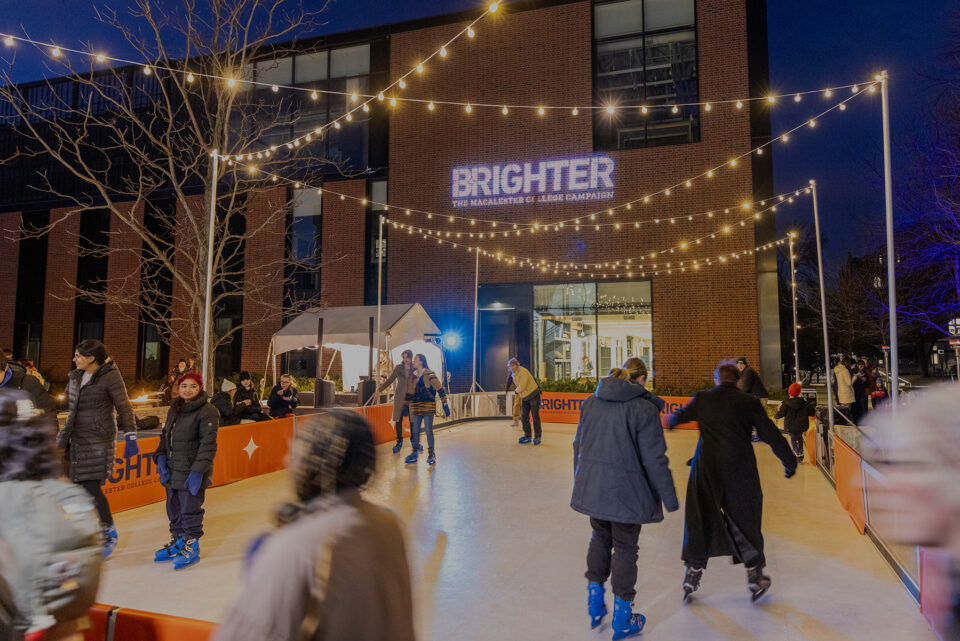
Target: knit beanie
x=794 y=390
x=227 y=386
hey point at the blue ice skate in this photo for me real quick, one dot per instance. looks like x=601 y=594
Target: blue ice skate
x=109 y=539
x=169 y=551
x=595 y=605
x=189 y=555
x=625 y=622
x=412 y=458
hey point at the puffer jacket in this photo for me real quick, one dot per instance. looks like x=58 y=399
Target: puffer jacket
x=845 y=395
x=229 y=414
x=30 y=384
x=251 y=395
x=621 y=471
x=796 y=413
x=189 y=440
x=90 y=434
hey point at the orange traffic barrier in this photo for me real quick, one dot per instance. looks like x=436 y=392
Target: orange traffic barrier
x=849 y=479
x=97 y=615
x=136 y=625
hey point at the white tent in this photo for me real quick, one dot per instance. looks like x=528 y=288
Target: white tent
x=348 y=330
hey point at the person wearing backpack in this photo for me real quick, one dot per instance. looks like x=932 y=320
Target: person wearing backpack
x=622 y=481
x=184 y=458
x=336 y=568
x=96 y=395
x=796 y=412
x=49 y=531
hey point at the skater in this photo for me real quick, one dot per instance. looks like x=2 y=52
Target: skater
x=184 y=458
x=622 y=481
x=50 y=553
x=751 y=384
x=402 y=374
x=283 y=397
x=337 y=567
x=424 y=389
x=529 y=392
x=230 y=414
x=797 y=412
x=517 y=401
x=724 y=498
x=96 y=396
x=248 y=400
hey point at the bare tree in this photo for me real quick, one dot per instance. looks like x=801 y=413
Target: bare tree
x=123 y=139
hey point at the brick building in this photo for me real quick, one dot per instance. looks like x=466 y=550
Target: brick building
x=551 y=52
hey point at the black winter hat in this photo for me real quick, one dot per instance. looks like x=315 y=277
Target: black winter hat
x=244 y=376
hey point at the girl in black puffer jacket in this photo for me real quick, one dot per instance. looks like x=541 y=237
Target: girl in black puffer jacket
x=96 y=395
x=184 y=459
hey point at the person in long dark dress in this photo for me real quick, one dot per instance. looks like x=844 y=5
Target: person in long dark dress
x=724 y=504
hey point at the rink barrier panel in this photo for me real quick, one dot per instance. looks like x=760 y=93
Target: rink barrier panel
x=848 y=476
x=110 y=623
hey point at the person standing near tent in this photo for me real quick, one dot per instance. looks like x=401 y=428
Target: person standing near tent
x=724 y=505
x=529 y=393
x=402 y=374
x=424 y=389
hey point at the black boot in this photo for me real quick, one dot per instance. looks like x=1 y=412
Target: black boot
x=691 y=581
x=757 y=582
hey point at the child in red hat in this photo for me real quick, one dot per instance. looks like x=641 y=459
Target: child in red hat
x=796 y=412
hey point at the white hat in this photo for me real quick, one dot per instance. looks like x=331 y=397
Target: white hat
x=227 y=386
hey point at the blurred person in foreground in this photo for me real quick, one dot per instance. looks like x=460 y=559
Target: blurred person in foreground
x=50 y=554
x=724 y=506
x=336 y=568
x=918 y=502
x=622 y=481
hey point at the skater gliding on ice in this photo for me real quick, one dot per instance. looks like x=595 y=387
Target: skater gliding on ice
x=622 y=481
x=402 y=374
x=529 y=392
x=422 y=397
x=724 y=504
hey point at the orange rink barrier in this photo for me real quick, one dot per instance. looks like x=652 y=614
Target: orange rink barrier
x=124 y=624
x=560 y=407
x=849 y=479
x=243 y=451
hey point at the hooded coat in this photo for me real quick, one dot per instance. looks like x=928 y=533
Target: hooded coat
x=30 y=384
x=189 y=440
x=402 y=376
x=724 y=506
x=845 y=395
x=90 y=434
x=621 y=471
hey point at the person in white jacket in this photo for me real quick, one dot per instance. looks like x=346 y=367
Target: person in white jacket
x=845 y=395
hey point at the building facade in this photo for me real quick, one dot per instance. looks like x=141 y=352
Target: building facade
x=579 y=307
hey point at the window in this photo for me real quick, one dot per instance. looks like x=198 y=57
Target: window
x=581 y=330
x=31 y=289
x=645 y=53
x=311 y=67
x=305 y=243
x=275 y=72
x=92 y=273
x=350 y=61
x=375 y=246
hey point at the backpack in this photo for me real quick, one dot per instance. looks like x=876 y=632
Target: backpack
x=148 y=423
x=53 y=532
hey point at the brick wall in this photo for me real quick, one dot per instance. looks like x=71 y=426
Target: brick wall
x=9 y=259
x=121 y=319
x=698 y=317
x=56 y=348
x=343 y=236
x=263 y=275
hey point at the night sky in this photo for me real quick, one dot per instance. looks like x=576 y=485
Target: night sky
x=813 y=44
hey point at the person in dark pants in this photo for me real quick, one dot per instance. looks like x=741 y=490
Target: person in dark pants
x=402 y=374
x=96 y=395
x=184 y=457
x=751 y=383
x=724 y=505
x=796 y=412
x=622 y=480
x=529 y=393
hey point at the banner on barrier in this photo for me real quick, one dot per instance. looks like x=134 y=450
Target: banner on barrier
x=559 y=407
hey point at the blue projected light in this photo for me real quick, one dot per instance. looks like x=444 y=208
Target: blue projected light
x=451 y=340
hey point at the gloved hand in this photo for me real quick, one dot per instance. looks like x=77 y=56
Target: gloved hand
x=130 y=448
x=788 y=473
x=162 y=469
x=252 y=550
x=194 y=481
x=446 y=409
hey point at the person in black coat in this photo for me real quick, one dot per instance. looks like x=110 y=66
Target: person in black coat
x=184 y=457
x=283 y=397
x=796 y=412
x=230 y=414
x=622 y=481
x=724 y=505
x=13 y=376
x=248 y=401
x=96 y=395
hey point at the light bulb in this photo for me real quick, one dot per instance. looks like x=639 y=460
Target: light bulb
x=688 y=183
x=813 y=123
x=733 y=163
x=354 y=97
x=431 y=106
x=854 y=89
x=494 y=6
x=739 y=104
x=760 y=151
x=797 y=98
x=147 y=71
x=402 y=83
x=541 y=111
x=100 y=56
x=707 y=106
x=419 y=67
x=190 y=77
x=380 y=96
x=666 y=192
x=771 y=99
x=843 y=107
x=827 y=93
x=56 y=52
x=574 y=111
x=443 y=52
x=610 y=109
x=231 y=82
x=470 y=32
x=366 y=107
x=644 y=110
x=505 y=111
x=468 y=109
x=785 y=138
x=393 y=102
x=336 y=125
x=349 y=117
x=675 y=109
x=710 y=174
x=872 y=88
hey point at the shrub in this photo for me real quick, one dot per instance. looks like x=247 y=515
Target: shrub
x=569 y=385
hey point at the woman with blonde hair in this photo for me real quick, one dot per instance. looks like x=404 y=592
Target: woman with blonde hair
x=283 y=397
x=622 y=481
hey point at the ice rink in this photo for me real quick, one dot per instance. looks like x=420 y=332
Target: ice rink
x=496 y=552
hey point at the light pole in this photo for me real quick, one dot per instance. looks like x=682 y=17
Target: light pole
x=379 y=287
x=891 y=257
x=207 y=301
x=793 y=298
x=823 y=305
x=476 y=314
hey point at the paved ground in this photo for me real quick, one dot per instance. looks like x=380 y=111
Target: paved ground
x=496 y=553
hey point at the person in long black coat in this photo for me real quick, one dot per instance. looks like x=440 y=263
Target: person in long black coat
x=724 y=505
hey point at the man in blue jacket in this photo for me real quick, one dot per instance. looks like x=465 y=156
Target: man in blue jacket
x=622 y=480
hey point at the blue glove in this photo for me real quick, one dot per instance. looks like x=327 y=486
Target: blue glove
x=252 y=550
x=446 y=409
x=130 y=448
x=162 y=469
x=194 y=481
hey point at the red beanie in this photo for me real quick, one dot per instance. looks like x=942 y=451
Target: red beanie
x=194 y=376
x=794 y=390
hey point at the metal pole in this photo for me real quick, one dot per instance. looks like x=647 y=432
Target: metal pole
x=318 y=371
x=823 y=305
x=793 y=298
x=476 y=313
x=207 y=301
x=379 y=285
x=891 y=254
x=956 y=358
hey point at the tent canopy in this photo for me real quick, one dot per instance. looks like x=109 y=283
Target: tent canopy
x=351 y=326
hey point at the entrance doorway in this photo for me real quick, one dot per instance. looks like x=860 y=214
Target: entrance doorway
x=497 y=344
